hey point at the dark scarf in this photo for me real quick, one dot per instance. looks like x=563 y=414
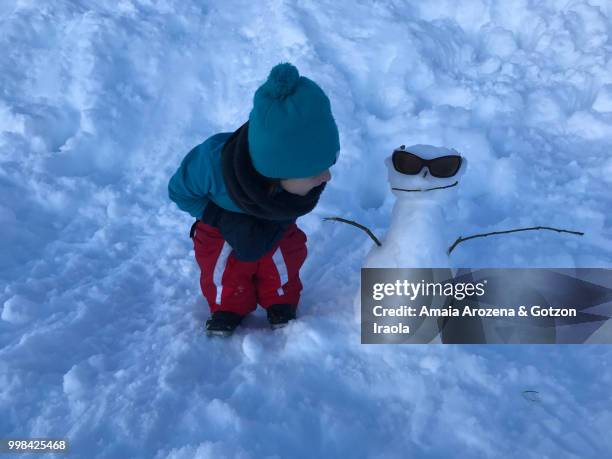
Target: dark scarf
x=266 y=217
x=250 y=190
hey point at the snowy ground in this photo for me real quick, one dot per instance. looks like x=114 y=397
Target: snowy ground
x=100 y=305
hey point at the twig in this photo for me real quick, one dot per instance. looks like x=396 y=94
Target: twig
x=461 y=239
x=428 y=189
x=358 y=225
x=531 y=395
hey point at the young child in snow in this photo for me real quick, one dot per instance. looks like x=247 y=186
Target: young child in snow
x=247 y=188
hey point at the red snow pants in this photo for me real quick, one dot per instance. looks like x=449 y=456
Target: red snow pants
x=229 y=284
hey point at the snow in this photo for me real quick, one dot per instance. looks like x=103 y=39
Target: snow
x=18 y=310
x=101 y=312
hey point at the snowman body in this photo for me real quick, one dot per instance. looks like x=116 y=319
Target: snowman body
x=417 y=236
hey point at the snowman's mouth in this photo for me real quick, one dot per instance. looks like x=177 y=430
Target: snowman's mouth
x=428 y=189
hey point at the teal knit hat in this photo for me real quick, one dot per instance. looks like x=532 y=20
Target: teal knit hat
x=292 y=132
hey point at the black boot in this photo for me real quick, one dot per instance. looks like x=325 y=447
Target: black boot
x=280 y=314
x=222 y=323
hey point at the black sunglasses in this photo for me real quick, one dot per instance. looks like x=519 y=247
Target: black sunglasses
x=410 y=164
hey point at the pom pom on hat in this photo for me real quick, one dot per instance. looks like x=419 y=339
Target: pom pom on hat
x=282 y=81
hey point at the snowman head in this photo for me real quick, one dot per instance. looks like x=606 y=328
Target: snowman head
x=420 y=170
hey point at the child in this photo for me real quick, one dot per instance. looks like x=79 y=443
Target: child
x=247 y=188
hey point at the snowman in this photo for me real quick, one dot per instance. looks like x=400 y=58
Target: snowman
x=424 y=179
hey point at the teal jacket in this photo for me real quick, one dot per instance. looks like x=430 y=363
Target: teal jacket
x=199 y=178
